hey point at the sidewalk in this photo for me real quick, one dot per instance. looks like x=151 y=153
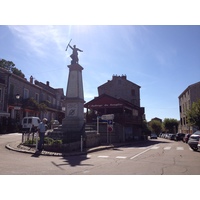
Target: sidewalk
x=16 y=146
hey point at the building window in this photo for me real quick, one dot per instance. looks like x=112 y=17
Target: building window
x=0 y=94
x=37 y=97
x=26 y=93
x=133 y=92
x=180 y=109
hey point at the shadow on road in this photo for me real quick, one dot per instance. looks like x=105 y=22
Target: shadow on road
x=74 y=160
x=37 y=154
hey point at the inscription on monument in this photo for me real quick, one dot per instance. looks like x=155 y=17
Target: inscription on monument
x=72 y=109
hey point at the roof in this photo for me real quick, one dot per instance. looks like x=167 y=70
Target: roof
x=190 y=86
x=123 y=78
x=105 y=101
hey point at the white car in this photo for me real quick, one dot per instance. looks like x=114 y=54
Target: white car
x=29 y=123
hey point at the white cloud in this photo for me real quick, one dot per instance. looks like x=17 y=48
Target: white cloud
x=41 y=39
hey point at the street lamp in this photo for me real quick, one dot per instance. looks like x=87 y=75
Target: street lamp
x=17 y=96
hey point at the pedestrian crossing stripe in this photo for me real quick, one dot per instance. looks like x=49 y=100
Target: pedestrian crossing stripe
x=121 y=157
x=179 y=148
x=155 y=147
x=167 y=148
x=103 y=156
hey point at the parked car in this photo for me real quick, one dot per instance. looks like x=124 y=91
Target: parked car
x=186 y=138
x=198 y=144
x=153 y=136
x=194 y=140
x=171 y=136
x=179 y=136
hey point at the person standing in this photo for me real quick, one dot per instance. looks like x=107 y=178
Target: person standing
x=41 y=130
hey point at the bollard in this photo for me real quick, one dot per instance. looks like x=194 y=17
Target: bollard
x=36 y=141
x=81 y=143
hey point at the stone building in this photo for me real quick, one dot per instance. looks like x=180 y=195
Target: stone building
x=20 y=98
x=120 y=87
x=120 y=97
x=186 y=98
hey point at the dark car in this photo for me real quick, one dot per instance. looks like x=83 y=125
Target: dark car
x=172 y=136
x=186 y=138
x=179 y=136
x=194 y=140
x=153 y=136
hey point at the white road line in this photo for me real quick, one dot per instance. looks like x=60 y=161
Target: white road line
x=155 y=147
x=103 y=156
x=140 y=153
x=167 y=148
x=179 y=148
x=142 y=148
x=86 y=156
x=121 y=157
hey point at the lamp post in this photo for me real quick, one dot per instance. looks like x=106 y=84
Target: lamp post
x=17 y=96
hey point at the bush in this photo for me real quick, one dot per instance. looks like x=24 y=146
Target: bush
x=57 y=142
x=48 y=141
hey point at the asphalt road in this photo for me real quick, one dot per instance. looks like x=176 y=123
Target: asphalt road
x=154 y=157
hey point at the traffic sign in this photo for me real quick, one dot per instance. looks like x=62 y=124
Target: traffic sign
x=107 y=117
x=110 y=128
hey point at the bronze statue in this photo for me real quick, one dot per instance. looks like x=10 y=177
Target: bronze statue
x=74 y=55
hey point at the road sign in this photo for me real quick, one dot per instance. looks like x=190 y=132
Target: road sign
x=110 y=122
x=107 y=117
x=110 y=128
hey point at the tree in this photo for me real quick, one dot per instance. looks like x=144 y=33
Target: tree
x=155 y=126
x=193 y=114
x=10 y=66
x=17 y=72
x=170 y=125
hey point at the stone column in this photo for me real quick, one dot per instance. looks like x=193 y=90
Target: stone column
x=73 y=123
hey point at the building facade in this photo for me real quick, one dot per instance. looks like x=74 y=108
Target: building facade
x=120 y=97
x=186 y=98
x=120 y=87
x=21 y=98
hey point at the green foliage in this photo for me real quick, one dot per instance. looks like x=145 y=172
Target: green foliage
x=170 y=125
x=155 y=126
x=17 y=72
x=10 y=66
x=7 y=65
x=193 y=115
x=32 y=103
x=48 y=140
x=145 y=128
x=30 y=141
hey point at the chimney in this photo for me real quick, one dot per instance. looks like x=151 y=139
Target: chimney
x=31 y=79
x=47 y=83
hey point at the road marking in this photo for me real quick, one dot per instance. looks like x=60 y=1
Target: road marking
x=155 y=147
x=86 y=156
x=142 y=148
x=121 y=157
x=140 y=153
x=167 y=148
x=103 y=156
x=179 y=148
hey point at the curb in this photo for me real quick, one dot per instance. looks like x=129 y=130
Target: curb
x=48 y=153
x=24 y=149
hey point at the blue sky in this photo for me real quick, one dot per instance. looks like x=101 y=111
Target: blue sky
x=163 y=60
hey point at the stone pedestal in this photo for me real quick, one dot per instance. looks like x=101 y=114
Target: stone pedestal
x=73 y=123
